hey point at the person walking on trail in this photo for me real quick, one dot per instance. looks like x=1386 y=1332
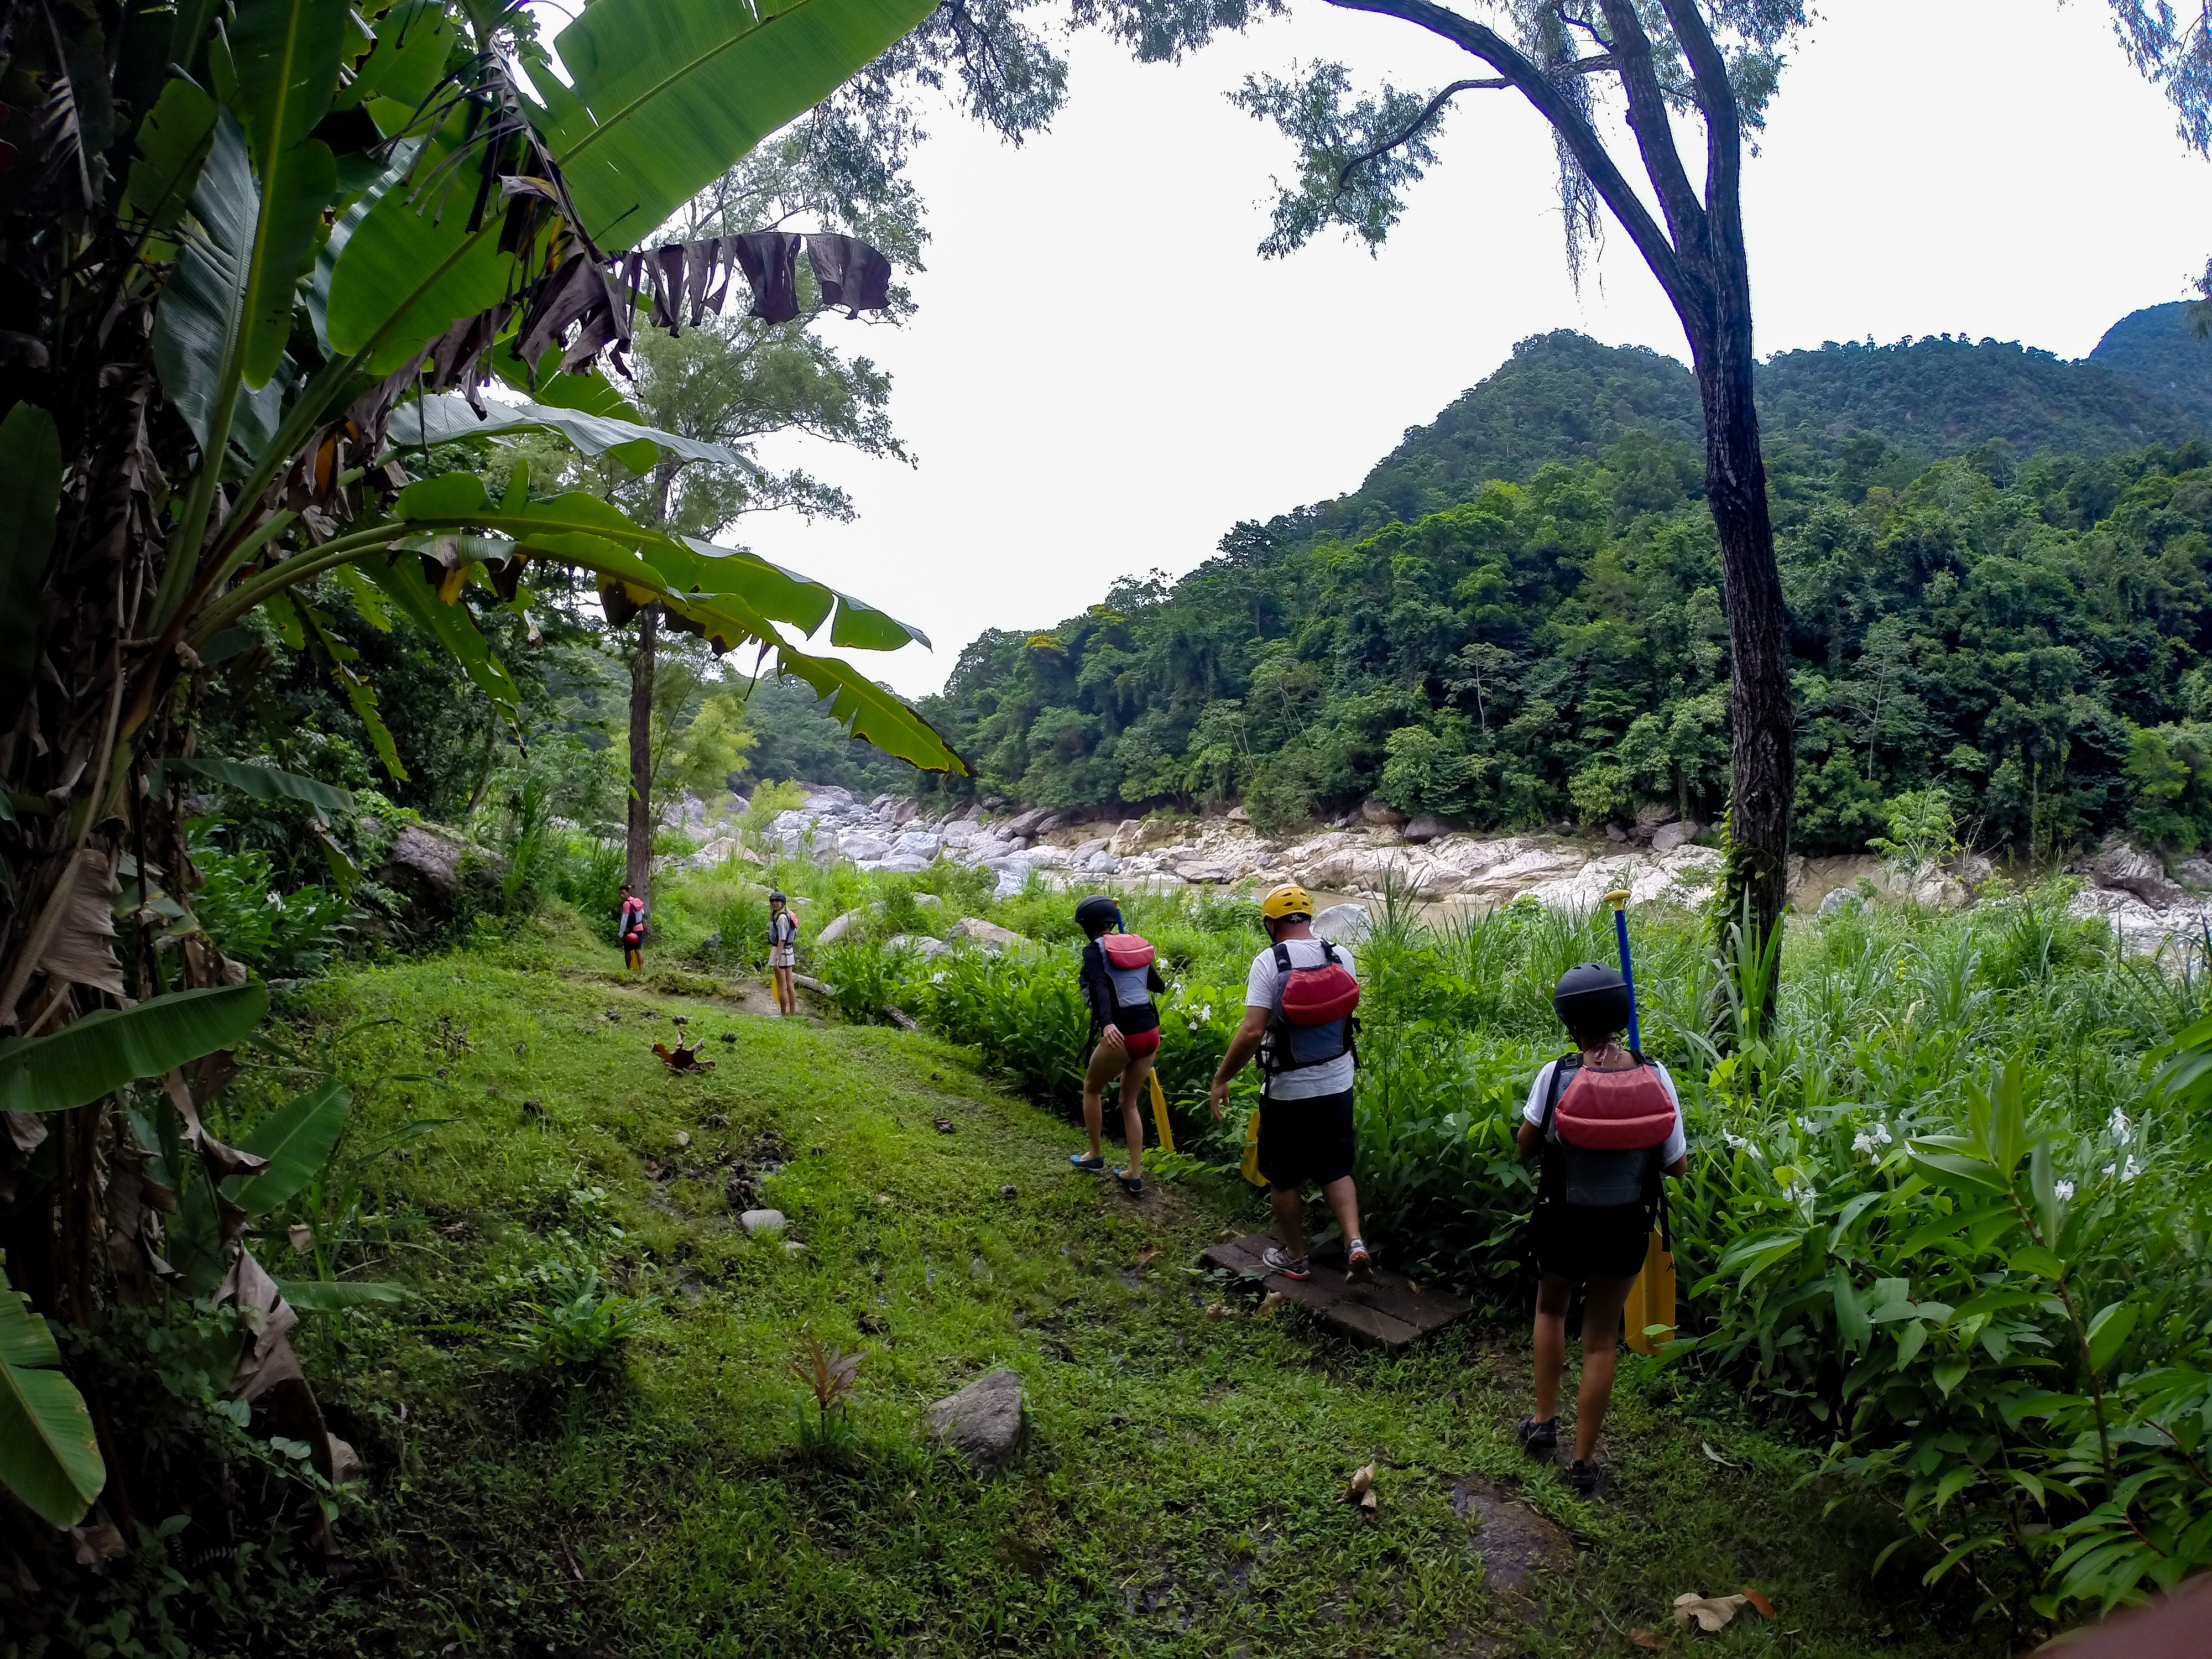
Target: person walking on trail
x=1120 y=978
x=1297 y=1020
x=629 y=924
x=1608 y=1124
x=783 y=952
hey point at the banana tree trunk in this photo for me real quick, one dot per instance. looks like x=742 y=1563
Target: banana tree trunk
x=640 y=864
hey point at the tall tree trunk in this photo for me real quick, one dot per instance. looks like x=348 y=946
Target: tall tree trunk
x=640 y=864
x=1763 y=759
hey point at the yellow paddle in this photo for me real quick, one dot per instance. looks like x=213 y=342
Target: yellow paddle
x=1652 y=1299
x=1160 y=1115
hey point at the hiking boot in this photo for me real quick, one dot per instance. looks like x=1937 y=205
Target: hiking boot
x=1539 y=1439
x=1358 y=1265
x=1581 y=1478
x=1278 y=1259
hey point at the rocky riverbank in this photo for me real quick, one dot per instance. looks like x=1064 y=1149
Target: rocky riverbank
x=1371 y=852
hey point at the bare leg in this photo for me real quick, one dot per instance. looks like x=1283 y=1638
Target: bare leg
x=1290 y=1219
x=1105 y=1065
x=1553 y=1295
x=1133 y=1078
x=1343 y=1202
x=1602 y=1305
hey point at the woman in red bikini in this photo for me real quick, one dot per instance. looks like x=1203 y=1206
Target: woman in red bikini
x=1119 y=980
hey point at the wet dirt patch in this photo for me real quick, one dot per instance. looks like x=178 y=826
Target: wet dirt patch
x=1511 y=1537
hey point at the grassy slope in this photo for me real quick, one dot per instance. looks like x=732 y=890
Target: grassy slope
x=1181 y=1490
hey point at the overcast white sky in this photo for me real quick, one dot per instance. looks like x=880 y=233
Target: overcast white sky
x=1103 y=375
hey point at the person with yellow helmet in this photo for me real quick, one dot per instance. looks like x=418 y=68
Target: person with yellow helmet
x=1299 y=1000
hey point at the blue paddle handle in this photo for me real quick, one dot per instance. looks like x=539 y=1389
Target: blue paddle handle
x=1628 y=973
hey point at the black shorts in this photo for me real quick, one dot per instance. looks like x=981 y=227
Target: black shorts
x=1306 y=1141
x=1580 y=1242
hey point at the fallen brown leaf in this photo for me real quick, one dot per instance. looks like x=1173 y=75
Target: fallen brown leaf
x=1640 y=1637
x=302 y=1237
x=944 y=1126
x=1225 y=1235
x=1215 y=1311
x=1712 y=1612
x=683 y=1058
x=1007 y=1191
x=1362 y=1489
x=1268 y=1304
x=1766 y=1607
x=1148 y=1255
x=683 y=1139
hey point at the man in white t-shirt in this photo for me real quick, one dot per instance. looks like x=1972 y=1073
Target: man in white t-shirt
x=1305 y=1100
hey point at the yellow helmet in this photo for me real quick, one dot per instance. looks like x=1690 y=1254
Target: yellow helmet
x=1288 y=900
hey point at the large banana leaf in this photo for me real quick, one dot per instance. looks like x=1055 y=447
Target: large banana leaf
x=173 y=143
x=447 y=417
x=264 y=783
x=196 y=321
x=49 y=1456
x=105 y=1050
x=666 y=95
x=451 y=625
x=869 y=711
x=286 y=52
x=297 y=1139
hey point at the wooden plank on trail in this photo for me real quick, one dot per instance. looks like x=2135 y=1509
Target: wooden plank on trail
x=1387 y=1313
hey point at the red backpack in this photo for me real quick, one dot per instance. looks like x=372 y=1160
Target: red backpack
x=1603 y=1133
x=1313 y=1024
x=1615 y=1111
x=1129 y=958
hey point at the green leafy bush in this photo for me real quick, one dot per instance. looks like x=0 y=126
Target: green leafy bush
x=575 y=1326
x=280 y=934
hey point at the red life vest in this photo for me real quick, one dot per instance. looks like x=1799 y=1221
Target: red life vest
x=1615 y=1111
x=1312 y=1023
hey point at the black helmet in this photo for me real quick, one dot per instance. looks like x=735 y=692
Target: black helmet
x=1097 y=914
x=777 y=898
x=1591 y=998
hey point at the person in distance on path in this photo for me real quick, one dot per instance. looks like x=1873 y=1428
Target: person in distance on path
x=629 y=923
x=1306 y=1069
x=1609 y=1125
x=783 y=952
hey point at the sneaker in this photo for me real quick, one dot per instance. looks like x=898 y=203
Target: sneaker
x=1087 y=1164
x=1541 y=1439
x=1581 y=1478
x=1133 y=1185
x=1278 y=1259
x=1359 y=1266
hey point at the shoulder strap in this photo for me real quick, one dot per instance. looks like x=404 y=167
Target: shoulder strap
x=1560 y=1067
x=1283 y=959
x=1328 y=953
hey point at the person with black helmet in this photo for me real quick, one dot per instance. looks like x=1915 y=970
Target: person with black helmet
x=1297 y=1020
x=1609 y=1125
x=783 y=952
x=1120 y=978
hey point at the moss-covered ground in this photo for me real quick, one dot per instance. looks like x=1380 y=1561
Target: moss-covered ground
x=1181 y=1490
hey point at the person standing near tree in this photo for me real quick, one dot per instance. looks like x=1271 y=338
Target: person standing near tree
x=783 y=952
x=629 y=924
x=1299 y=1000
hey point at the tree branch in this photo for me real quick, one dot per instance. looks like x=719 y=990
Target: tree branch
x=1654 y=131
x=1415 y=125
x=1717 y=95
x=1585 y=66
x=1578 y=135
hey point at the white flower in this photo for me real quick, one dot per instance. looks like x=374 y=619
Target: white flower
x=1736 y=1141
x=2064 y=1190
x=2118 y=1124
x=2111 y=1168
x=1862 y=1144
x=2133 y=1169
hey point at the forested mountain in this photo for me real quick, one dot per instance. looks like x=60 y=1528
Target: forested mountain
x=1518 y=618
x=2159 y=347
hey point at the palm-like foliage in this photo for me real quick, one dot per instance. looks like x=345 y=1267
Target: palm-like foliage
x=249 y=252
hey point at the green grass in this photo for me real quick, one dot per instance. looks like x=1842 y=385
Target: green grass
x=1182 y=1491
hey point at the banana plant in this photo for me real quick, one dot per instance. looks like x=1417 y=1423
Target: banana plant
x=260 y=256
